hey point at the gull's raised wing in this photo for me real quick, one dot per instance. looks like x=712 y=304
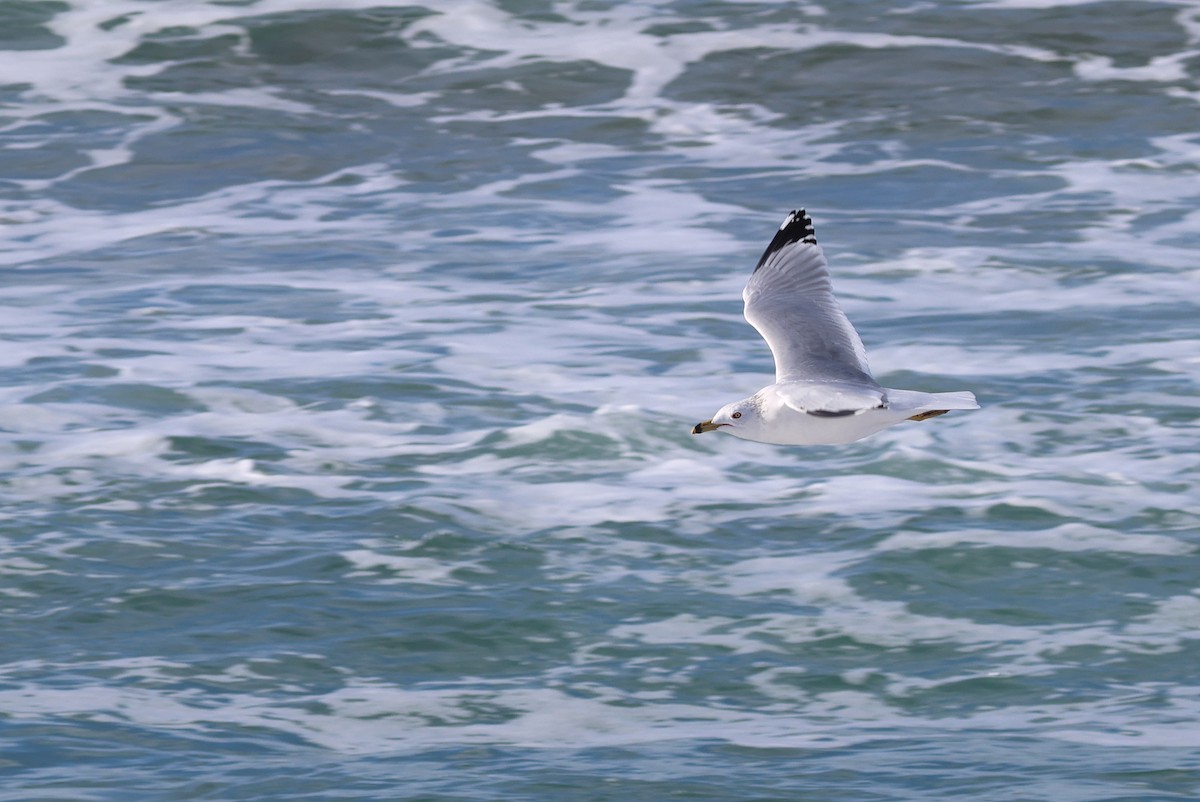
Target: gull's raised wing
x=789 y=299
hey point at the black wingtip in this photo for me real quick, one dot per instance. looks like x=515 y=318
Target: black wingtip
x=797 y=227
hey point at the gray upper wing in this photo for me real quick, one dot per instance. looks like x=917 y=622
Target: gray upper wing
x=789 y=299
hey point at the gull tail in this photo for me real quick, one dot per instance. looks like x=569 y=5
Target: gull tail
x=929 y=405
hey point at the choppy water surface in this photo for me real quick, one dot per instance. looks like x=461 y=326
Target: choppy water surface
x=351 y=352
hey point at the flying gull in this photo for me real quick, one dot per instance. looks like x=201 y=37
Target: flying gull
x=823 y=392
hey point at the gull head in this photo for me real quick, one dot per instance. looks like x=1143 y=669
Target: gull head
x=741 y=419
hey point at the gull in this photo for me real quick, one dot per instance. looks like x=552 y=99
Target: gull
x=823 y=393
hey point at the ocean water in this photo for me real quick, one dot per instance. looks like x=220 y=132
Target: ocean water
x=351 y=351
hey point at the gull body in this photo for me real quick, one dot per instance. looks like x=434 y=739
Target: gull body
x=824 y=392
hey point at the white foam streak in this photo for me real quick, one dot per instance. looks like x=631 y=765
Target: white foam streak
x=1070 y=537
x=1163 y=69
x=395 y=569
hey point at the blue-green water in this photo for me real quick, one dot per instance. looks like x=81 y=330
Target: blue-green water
x=351 y=351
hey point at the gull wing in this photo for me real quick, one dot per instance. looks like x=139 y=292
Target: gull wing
x=831 y=399
x=789 y=300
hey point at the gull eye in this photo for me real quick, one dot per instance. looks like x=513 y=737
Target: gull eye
x=736 y=415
